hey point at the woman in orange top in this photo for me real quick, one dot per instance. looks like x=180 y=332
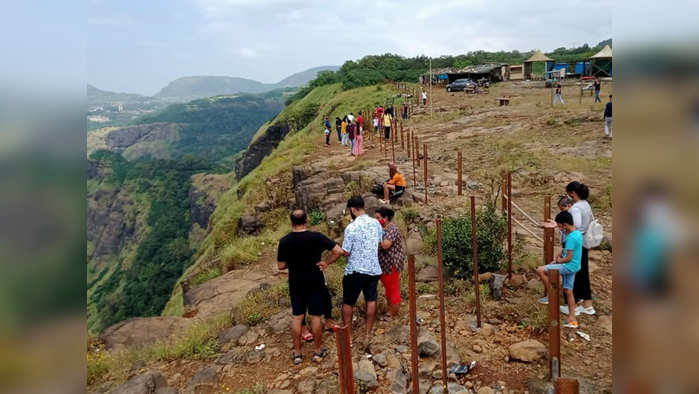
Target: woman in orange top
x=394 y=184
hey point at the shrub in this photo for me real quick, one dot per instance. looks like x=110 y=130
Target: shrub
x=456 y=242
x=409 y=215
x=317 y=217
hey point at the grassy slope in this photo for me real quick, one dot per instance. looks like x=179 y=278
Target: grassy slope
x=222 y=249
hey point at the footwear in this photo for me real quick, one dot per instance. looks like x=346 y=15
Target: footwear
x=308 y=337
x=544 y=300
x=382 y=201
x=297 y=358
x=571 y=324
x=564 y=310
x=587 y=311
x=318 y=357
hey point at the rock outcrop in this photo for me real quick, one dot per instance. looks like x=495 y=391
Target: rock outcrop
x=260 y=148
x=144 y=330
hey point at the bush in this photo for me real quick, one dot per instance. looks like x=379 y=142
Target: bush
x=317 y=217
x=456 y=242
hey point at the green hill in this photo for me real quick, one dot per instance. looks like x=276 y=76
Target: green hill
x=194 y=87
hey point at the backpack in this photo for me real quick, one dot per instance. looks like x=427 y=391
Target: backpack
x=594 y=234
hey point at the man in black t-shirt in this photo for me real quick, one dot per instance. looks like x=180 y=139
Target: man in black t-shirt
x=300 y=251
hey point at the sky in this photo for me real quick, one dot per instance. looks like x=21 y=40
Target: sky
x=140 y=46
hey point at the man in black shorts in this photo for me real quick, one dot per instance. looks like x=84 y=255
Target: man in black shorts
x=300 y=251
x=362 y=273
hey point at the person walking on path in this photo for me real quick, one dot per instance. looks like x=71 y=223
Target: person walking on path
x=343 y=129
x=362 y=273
x=358 y=148
x=351 y=133
x=391 y=259
x=387 y=125
x=567 y=263
x=598 y=85
x=557 y=97
x=338 y=128
x=300 y=252
x=582 y=217
x=608 y=118
x=360 y=122
x=424 y=97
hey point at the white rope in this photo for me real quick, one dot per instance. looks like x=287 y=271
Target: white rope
x=528 y=230
x=537 y=224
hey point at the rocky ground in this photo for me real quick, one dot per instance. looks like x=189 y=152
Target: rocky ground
x=545 y=148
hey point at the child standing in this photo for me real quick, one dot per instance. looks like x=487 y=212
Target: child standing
x=567 y=263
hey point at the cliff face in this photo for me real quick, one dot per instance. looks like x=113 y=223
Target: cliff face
x=260 y=148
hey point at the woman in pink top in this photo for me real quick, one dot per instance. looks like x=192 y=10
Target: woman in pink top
x=358 y=143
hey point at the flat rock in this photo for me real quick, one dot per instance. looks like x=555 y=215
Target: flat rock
x=144 y=330
x=528 y=351
x=427 y=345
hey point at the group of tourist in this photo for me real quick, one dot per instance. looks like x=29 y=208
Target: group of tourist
x=374 y=251
x=350 y=132
x=573 y=222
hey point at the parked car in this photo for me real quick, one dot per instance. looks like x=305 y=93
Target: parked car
x=460 y=85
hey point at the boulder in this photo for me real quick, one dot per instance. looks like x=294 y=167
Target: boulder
x=487 y=330
x=497 y=281
x=232 y=334
x=528 y=351
x=399 y=381
x=535 y=284
x=249 y=225
x=427 y=345
x=380 y=360
x=516 y=280
x=249 y=338
x=233 y=356
x=366 y=375
x=427 y=274
x=151 y=382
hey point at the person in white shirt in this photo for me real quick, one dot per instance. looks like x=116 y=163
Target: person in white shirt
x=582 y=216
x=424 y=97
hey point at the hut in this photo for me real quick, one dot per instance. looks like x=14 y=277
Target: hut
x=601 y=63
x=493 y=72
x=533 y=66
x=517 y=71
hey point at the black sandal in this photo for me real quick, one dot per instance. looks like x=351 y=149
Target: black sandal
x=318 y=357
x=296 y=358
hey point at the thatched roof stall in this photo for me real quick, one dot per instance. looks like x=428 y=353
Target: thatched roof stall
x=601 y=63
x=531 y=71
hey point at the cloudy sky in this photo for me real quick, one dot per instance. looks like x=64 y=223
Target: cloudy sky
x=139 y=46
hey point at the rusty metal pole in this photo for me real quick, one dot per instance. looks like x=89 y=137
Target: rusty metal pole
x=407 y=141
x=344 y=358
x=503 y=189
x=417 y=160
x=548 y=232
x=413 y=324
x=474 y=250
x=554 y=326
x=509 y=224
x=424 y=158
x=442 y=323
x=566 y=386
x=402 y=142
x=393 y=151
x=458 y=180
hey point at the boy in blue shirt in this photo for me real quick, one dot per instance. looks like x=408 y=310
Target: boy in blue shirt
x=567 y=263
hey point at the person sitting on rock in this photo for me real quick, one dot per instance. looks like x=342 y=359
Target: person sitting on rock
x=394 y=184
x=300 y=251
x=391 y=259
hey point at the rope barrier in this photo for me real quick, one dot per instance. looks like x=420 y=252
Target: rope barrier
x=537 y=224
x=528 y=230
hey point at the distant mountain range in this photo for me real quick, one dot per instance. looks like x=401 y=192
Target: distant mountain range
x=196 y=87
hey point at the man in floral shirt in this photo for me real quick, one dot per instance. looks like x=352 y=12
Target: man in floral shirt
x=362 y=273
x=391 y=259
